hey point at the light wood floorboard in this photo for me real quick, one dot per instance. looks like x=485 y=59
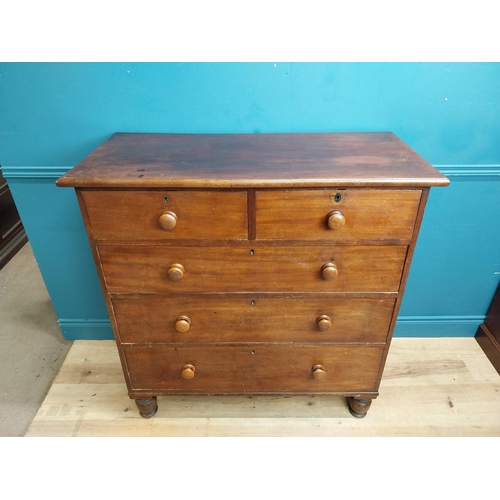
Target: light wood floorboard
x=430 y=387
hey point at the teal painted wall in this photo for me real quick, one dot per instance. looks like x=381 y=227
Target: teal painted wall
x=53 y=115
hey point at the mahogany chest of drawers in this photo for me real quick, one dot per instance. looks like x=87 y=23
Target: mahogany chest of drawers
x=253 y=264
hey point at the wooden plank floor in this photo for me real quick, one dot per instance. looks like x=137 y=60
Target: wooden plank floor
x=431 y=387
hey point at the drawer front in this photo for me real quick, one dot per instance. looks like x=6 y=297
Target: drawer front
x=358 y=215
x=177 y=319
x=136 y=214
x=138 y=269
x=260 y=368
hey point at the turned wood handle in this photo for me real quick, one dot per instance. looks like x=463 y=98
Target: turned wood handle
x=167 y=220
x=182 y=324
x=175 y=272
x=188 y=371
x=329 y=271
x=324 y=323
x=318 y=372
x=335 y=219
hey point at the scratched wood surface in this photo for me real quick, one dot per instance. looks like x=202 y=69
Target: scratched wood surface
x=369 y=214
x=252 y=160
x=152 y=318
x=251 y=268
x=200 y=214
x=430 y=387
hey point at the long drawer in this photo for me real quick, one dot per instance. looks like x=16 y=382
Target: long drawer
x=139 y=269
x=177 y=319
x=340 y=215
x=277 y=368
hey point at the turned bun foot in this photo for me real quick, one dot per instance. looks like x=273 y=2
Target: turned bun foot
x=359 y=407
x=147 y=407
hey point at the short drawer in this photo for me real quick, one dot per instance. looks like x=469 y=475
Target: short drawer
x=263 y=368
x=174 y=319
x=343 y=215
x=167 y=215
x=139 y=269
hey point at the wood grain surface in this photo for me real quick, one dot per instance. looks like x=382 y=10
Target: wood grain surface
x=253 y=160
x=152 y=318
x=270 y=368
x=143 y=269
x=134 y=215
x=369 y=214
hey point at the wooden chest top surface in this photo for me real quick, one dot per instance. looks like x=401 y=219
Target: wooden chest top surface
x=132 y=160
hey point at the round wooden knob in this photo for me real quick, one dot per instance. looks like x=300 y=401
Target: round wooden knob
x=318 y=372
x=167 y=220
x=335 y=219
x=329 y=271
x=175 y=272
x=182 y=324
x=324 y=323
x=188 y=372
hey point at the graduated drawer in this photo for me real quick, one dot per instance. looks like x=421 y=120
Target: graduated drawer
x=254 y=319
x=258 y=368
x=138 y=269
x=136 y=214
x=354 y=214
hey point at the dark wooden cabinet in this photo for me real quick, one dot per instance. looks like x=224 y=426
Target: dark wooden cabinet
x=488 y=333
x=253 y=264
x=12 y=233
